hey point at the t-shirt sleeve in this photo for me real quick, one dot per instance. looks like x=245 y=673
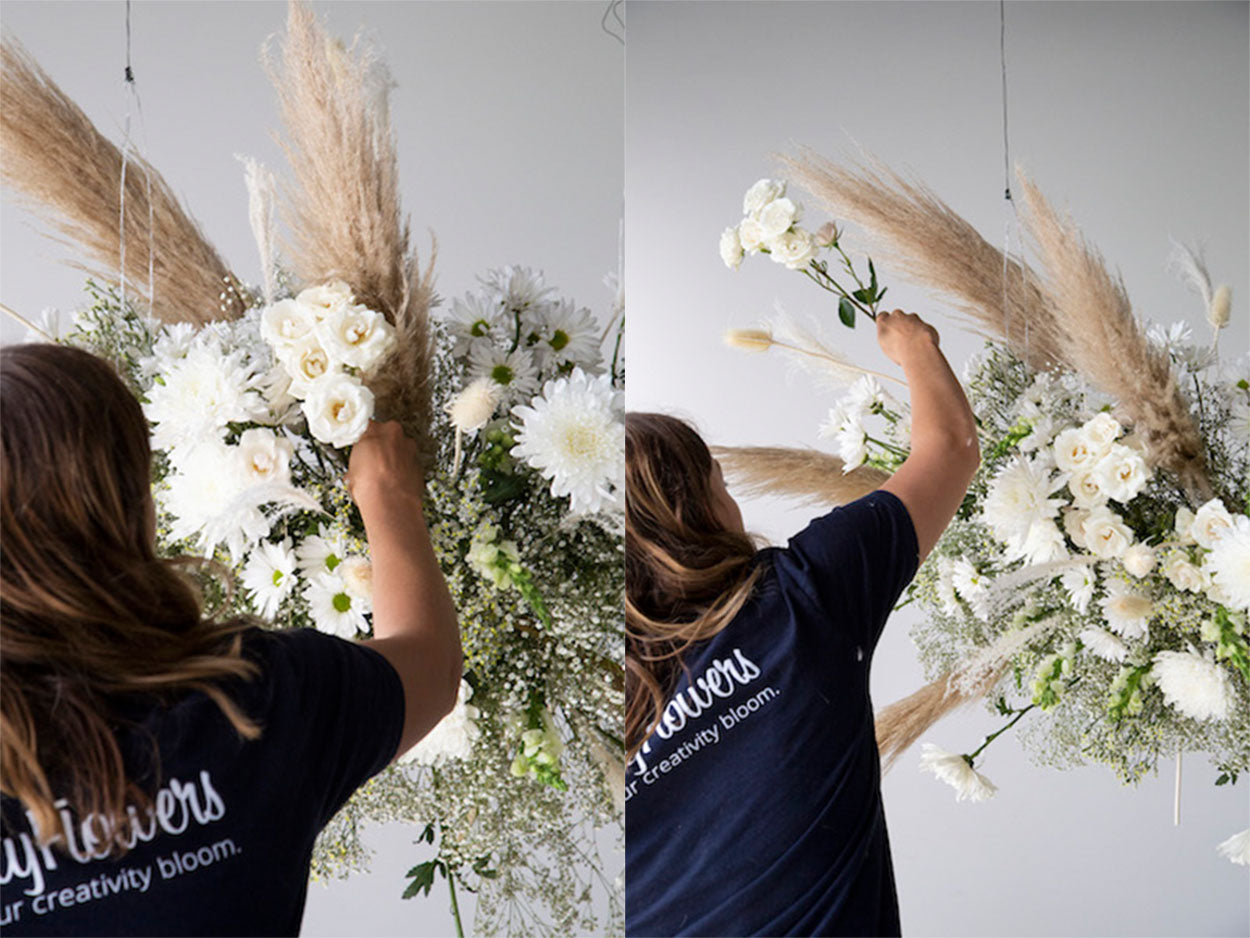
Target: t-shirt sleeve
x=855 y=562
x=340 y=706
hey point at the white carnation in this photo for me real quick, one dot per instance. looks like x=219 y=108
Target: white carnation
x=793 y=248
x=761 y=194
x=573 y=435
x=731 y=248
x=338 y=408
x=1193 y=684
x=1210 y=523
x=1106 y=535
x=957 y=771
x=453 y=736
x=776 y=217
x=270 y=575
x=1228 y=564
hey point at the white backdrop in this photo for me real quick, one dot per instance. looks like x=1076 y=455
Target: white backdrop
x=1132 y=115
x=509 y=118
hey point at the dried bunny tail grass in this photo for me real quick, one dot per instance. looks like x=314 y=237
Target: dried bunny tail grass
x=1105 y=343
x=924 y=239
x=343 y=206
x=262 y=197
x=806 y=474
x=71 y=175
x=809 y=350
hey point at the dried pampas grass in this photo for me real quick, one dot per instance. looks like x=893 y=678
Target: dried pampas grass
x=806 y=474
x=899 y=725
x=927 y=241
x=344 y=208
x=53 y=155
x=1104 y=341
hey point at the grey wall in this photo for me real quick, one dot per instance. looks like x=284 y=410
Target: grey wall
x=1134 y=116
x=510 y=126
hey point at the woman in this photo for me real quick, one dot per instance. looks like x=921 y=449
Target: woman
x=753 y=787
x=163 y=772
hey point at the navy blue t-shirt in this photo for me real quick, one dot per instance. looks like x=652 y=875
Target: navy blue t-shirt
x=227 y=849
x=755 y=808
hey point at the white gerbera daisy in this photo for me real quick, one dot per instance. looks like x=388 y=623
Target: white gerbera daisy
x=1193 y=684
x=453 y=737
x=1103 y=644
x=197 y=395
x=474 y=320
x=573 y=434
x=1228 y=564
x=957 y=771
x=513 y=371
x=270 y=575
x=567 y=333
x=1019 y=497
x=334 y=610
x=1126 y=612
x=1236 y=848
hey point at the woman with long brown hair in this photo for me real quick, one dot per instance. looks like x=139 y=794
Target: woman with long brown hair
x=753 y=783
x=164 y=772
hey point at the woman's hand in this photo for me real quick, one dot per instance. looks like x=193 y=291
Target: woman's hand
x=383 y=465
x=899 y=334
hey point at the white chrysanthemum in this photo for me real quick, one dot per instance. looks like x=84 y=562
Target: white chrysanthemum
x=306 y=361
x=1122 y=472
x=325 y=299
x=1079 y=582
x=285 y=322
x=1042 y=543
x=474 y=405
x=270 y=575
x=567 y=333
x=338 y=408
x=172 y=342
x=1193 y=684
x=1103 y=644
x=1126 y=612
x=852 y=444
x=1228 y=564
x=1139 y=560
x=1237 y=848
x=1211 y=522
x=263 y=457
x=573 y=434
x=731 y=248
x=199 y=492
x=956 y=771
x=1018 y=498
x=514 y=371
x=761 y=193
x=452 y=737
x=357 y=336
x=198 y=394
x=474 y=319
x=1106 y=535
x=793 y=248
x=863 y=395
x=967 y=580
x=334 y=610
x=322 y=552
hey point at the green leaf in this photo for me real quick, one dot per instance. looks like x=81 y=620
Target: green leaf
x=846 y=312
x=1222 y=780
x=864 y=296
x=872 y=273
x=427 y=835
x=881 y=294
x=423 y=877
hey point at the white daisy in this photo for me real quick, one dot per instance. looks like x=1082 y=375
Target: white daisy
x=454 y=735
x=573 y=434
x=569 y=334
x=475 y=319
x=852 y=445
x=323 y=551
x=863 y=395
x=514 y=371
x=270 y=575
x=334 y=610
x=1228 y=564
x=1193 y=684
x=516 y=289
x=957 y=771
x=1103 y=644
x=1126 y=612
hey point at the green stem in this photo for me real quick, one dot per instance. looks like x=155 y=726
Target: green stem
x=837 y=290
x=455 y=906
x=897 y=450
x=993 y=736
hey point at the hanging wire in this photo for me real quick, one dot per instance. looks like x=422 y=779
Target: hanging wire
x=131 y=91
x=613 y=11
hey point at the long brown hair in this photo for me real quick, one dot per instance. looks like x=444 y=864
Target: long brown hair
x=89 y=616
x=686 y=574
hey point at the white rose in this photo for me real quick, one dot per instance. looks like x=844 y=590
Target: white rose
x=793 y=248
x=1139 y=560
x=1073 y=524
x=1086 y=488
x=1105 y=534
x=1101 y=431
x=264 y=456
x=1210 y=523
x=306 y=361
x=338 y=408
x=731 y=248
x=284 y=323
x=356 y=336
x=777 y=216
x=1182 y=525
x=1122 y=473
x=325 y=299
x=1073 y=451
x=761 y=194
x=357 y=575
x=1182 y=574
x=751 y=236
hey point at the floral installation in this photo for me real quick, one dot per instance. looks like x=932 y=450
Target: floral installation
x=1093 y=578
x=254 y=396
